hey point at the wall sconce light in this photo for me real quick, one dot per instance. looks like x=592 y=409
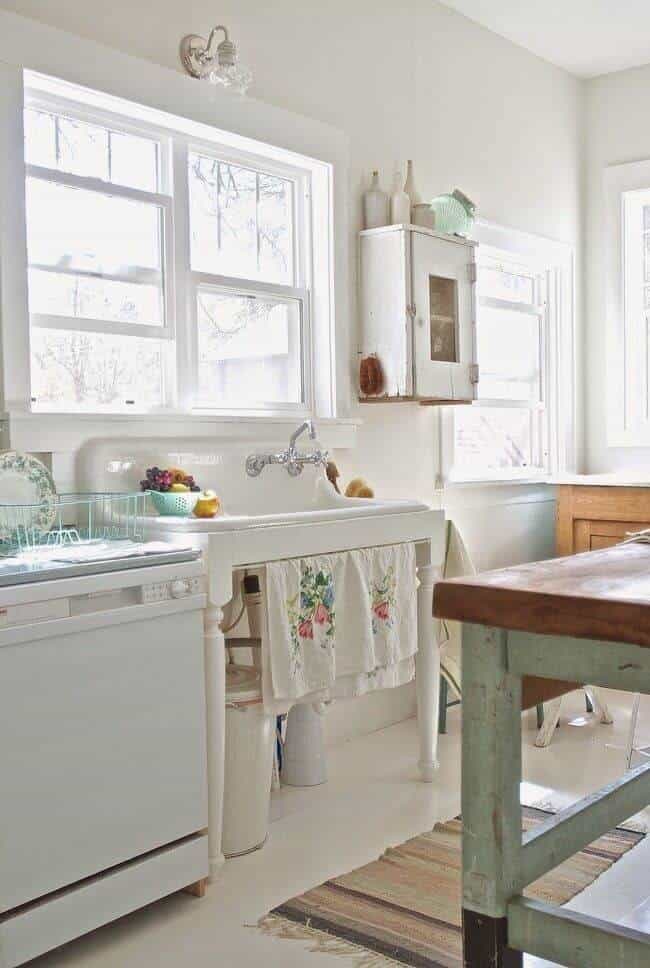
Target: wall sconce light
x=220 y=66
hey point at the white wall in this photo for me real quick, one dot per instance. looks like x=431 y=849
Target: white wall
x=616 y=131
x=415 y=80
x=411 y=80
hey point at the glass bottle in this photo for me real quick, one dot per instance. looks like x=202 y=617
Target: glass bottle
x=375 y=205
x=409 y=185
x=400 y=203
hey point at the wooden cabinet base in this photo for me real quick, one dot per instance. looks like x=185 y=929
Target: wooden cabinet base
x=198 y=889
x=593 y=517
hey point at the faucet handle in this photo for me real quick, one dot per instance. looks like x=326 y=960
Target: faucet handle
x=255 y=464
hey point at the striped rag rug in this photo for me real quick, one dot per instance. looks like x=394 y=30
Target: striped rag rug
x=405 y=907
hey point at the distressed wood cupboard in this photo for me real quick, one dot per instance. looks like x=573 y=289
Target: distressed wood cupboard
x=418 y=313
x=591 y=516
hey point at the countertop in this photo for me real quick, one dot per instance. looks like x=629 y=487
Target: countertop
x=596 y=595
x=603 y=480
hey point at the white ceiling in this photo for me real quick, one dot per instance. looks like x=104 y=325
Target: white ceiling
x=586 y=37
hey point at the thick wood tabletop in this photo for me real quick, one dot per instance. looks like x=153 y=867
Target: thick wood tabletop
x=597 y=595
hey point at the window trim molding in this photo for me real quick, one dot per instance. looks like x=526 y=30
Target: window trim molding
x=622 y=430
x=205 y=113
x=181 y=362
x=559 y=390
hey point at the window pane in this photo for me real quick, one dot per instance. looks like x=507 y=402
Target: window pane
x=240 y=221
x=443 y=319
x=91 y=371
x=509 y=354
x=249 y=350
x=489 y=438
x=503 y=284
x=72 y=228
x=134 y=161
x=89 y=297
x=91 y=150
x=275 y=222
x=82 y=148
x=40 y=138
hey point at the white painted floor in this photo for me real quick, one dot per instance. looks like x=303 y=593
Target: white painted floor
x=373 y=799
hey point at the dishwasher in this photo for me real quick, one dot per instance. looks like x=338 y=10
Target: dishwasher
x=103 y=774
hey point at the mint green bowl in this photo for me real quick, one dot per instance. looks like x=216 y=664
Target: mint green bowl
x=179 y=504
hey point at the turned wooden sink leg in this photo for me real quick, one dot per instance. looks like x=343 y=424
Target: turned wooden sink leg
x=427 y=679
x=215 y=672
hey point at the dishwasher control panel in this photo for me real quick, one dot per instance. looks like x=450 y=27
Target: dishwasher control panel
x=165 y=591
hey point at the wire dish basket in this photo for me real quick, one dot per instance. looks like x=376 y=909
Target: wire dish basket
x=71 y=519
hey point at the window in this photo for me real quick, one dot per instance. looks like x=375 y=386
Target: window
x=165 y=271
x=98 y=239
x=512 y=431
x=628 y=304
x=247 y=285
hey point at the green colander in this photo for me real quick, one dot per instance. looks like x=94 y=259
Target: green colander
x=180 y=504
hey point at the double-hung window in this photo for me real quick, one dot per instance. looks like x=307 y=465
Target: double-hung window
x=512 y=431
x=165 y=271
x=247 y=283
x=99 y=217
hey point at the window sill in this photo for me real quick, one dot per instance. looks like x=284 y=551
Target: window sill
x=46 y=432
x=496 y=481
x=487 y=493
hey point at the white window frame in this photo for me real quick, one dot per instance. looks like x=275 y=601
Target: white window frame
x=166 y=333
x=628 y=363
x=181 y=283
x=112 y=80
x=191 y=281
x=553 y=416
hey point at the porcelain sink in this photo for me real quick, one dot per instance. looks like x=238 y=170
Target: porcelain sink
x=281 y=500
x=274 y=498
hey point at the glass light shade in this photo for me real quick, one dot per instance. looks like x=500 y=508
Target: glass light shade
x=234 y=76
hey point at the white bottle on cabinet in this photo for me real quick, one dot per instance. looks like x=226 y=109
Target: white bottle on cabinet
x=375 y=205
x=400 y=203
x=409 y=185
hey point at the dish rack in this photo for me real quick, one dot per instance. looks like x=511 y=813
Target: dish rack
x=69 y=519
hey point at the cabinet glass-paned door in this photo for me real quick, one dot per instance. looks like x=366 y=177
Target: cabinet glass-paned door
x=443 y=319
x=443 y=338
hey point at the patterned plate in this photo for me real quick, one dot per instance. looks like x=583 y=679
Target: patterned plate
x=27 y=494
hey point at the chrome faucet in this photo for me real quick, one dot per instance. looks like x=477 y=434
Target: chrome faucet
x=291 y=458
x=307 y=425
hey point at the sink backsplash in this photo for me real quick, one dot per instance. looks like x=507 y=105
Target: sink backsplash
x=111 y=465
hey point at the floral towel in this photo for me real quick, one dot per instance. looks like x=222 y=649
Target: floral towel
x=343 y=618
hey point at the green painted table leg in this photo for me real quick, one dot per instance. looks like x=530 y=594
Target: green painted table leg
x=491 y=774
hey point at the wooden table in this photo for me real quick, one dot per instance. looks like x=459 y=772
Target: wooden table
x=531 y=631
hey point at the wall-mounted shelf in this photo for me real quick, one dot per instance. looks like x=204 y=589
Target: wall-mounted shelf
x=423 y=401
